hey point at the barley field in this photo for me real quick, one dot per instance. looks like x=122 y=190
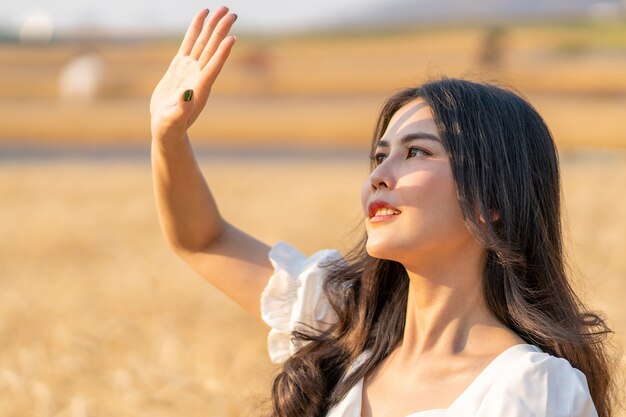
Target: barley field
x=99 y=318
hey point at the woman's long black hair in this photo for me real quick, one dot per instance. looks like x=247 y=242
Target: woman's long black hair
x=504 y=161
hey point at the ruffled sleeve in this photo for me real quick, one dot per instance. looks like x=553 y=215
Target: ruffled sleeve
x=294 y=297
x=542 y=386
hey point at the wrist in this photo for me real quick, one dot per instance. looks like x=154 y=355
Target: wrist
x=168 y=141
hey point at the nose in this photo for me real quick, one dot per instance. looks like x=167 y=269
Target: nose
x=381 y=177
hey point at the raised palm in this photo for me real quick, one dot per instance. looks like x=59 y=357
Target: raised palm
x=199 y=60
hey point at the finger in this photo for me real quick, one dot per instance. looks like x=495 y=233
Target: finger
x=174 y=116
x=187 y=95
x=208 y=29
x=219 y=34
x=194 y=29
x=214 y=66
x=184 y=106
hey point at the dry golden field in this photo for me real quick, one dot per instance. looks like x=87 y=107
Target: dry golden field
x=98 y=318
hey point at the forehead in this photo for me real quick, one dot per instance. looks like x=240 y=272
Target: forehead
x=413 y=117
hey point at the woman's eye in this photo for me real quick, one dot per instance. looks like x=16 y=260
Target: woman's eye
x=378 y=158
x=415 y=152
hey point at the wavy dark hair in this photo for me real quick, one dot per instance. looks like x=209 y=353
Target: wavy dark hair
x=503 y=160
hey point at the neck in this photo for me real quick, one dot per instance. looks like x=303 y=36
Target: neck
x=446 y=310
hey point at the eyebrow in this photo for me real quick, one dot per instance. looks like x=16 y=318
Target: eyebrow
x=410 y=138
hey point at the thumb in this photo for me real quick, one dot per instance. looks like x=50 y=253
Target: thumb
x=186 y=104
x=173 y=116
x=187 y=95
x=186 y=99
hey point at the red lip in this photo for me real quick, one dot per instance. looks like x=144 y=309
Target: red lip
x=377 y=204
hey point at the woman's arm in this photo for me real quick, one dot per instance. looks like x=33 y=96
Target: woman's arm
x=233 y=261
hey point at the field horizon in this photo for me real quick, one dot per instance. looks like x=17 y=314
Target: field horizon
x=314 y=91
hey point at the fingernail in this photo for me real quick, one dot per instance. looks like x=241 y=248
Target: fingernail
x=235 y=16
x=187 y=95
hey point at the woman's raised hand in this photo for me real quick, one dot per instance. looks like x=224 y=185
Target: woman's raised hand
x=184 y=90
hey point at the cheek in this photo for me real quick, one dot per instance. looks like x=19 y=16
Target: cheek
x=432 y=198
x=437 y=193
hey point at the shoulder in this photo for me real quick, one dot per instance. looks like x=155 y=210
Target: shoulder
x=294 y=297
x=296 y=276
x=537 y=384
x=289 y=260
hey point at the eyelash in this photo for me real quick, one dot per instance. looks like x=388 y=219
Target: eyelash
x=375 y=158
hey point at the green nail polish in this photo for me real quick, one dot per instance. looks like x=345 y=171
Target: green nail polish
x=187 y=95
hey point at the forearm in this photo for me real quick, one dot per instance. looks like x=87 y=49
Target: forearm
x=187 y=211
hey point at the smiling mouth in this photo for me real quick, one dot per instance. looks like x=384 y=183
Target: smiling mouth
x=384 y=211
x=380 y=211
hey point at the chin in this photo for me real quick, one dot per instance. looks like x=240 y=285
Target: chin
x=380 y=251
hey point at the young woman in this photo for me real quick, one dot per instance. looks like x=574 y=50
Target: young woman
x=455 y=304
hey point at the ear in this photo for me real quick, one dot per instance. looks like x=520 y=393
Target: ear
x=495 y=215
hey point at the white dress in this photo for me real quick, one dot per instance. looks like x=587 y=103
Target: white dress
x=522 y=381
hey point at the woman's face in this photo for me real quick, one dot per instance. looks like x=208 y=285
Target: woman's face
x=412 y=213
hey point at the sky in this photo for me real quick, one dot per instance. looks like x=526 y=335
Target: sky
x=47 y=18
x=172 y=16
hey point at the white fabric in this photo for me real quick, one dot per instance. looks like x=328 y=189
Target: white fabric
x=293 y=298
x=521 y=382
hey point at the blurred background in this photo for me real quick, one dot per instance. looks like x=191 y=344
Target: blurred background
x=99 y=318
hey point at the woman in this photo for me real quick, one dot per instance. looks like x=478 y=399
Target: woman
x=456 y=303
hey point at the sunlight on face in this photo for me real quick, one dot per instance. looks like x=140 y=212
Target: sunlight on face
x=412 y=213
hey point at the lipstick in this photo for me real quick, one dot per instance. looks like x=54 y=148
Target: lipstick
x=380 y=210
